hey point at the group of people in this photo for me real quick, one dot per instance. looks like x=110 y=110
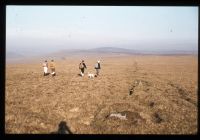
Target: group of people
x=52 y=67
x=82 y=67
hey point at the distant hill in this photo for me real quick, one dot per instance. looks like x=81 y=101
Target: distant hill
x=113 y=50
x=101 y=50
x=117 y=51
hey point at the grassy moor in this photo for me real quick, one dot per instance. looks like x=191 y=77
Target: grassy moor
x=154 y=94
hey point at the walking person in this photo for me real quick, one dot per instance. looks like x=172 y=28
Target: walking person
x=52 y=67
x=45 y=67
x=97 y=67
x=82 y=67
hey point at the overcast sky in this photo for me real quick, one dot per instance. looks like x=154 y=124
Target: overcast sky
x=51 y=28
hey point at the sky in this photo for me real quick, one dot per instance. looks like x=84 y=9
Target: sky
x=36 y=29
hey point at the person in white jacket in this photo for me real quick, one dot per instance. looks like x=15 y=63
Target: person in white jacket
x=97 y=67
x=45 y=67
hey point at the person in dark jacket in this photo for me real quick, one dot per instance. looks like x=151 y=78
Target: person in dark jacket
x=97 y=67
x=82 y=67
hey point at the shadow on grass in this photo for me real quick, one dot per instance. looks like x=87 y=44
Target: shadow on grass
x=62 y=129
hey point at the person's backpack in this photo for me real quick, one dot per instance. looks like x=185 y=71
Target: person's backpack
x=81 y=66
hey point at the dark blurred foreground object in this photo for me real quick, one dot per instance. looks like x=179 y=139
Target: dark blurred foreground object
x=62 y=129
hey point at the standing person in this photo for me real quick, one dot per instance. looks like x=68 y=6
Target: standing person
x=97 y=67
x=45 y=67
x=82 y=66
x=52 y=67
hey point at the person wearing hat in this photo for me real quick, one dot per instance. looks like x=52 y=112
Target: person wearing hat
x=52 y=67
x=97 y=67
x=82 y=67
x=45 y=67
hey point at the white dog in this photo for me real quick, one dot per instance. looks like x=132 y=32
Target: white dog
x=90 y=75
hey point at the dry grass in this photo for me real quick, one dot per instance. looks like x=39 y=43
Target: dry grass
x=165 y=102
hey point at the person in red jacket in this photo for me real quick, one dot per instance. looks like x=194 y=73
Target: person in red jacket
x=53 y=68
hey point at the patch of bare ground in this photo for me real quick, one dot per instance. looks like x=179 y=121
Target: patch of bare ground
x=154 y=94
